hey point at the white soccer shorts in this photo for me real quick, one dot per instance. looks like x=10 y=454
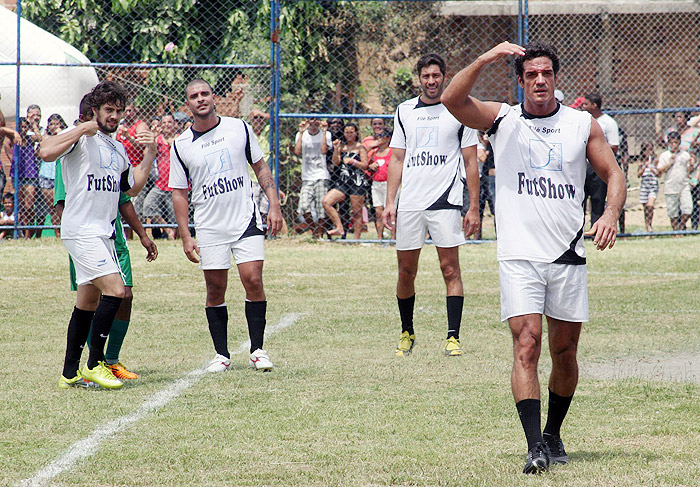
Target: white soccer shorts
x=444 y=226
x=559 y=291
x=219 y=256
x=93 y=257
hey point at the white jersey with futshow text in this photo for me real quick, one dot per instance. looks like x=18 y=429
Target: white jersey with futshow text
x=433 y=168
x=216 y=162
x=540 y=174
x=95 y=170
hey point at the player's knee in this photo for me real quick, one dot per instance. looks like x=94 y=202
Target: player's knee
x=253 y=283
x=451 y=272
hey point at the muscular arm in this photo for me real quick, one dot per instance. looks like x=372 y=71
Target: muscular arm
x=142 y=171
x=602 y=159
x=456 y=97
x=182 y=217
x=267 y=184
x=393 y=181
x=53 y=147
x=471 y=222
x=128 y=212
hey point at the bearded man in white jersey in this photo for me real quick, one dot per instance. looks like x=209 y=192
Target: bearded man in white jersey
x=212 y=157
x=432 y=153
x=95 y=169
x=540 y=149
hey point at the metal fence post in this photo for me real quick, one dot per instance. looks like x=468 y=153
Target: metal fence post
x=15 y=149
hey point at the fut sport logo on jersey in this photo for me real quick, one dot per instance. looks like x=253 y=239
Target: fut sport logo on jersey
x=546 y=156
x=109 y=158
x=218 y=161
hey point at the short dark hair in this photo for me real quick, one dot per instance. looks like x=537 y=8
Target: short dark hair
x=108 y=92
x=428 y=60
x=673 y=135
x=8 y=195
x=595 y=98
x=85 y=110
x=197 y=81
x=32 y=107
x=534 y=50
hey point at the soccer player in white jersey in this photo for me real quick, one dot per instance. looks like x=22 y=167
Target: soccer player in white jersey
x=212 y=159
x=432 y=153
x=540 y=150
x=95 y=169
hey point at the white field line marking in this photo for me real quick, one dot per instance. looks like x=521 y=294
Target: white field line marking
x=86 y=447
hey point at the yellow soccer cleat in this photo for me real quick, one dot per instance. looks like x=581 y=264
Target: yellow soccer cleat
x=77 y=381
x=452 y=347
x=121 y=372
x=405 y=346
x=101 y=375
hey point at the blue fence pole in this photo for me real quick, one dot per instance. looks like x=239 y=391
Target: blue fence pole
x=276 y=96
x=15 y=151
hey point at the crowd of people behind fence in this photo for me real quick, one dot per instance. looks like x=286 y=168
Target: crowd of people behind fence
x=343 y=174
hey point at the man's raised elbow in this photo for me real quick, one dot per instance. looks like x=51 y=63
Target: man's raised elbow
x=46 y=155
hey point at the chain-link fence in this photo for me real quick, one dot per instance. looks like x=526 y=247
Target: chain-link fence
x=152 y=49
x=353 y=61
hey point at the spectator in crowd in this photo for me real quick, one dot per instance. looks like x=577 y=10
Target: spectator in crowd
x=695 y=191
x=34 y=118
x=126 y=134
x=27 y=169
x=158 y=205
x=688 y=130
x=183 y=121
x=155 y=126
x=47 y=178
x=649 y=183
x=258 y=122
x=379 y=158
x=595 y=188
x=312 y=143
x=486 y=195
x=351 y=159
x=372 y=141
x=675 y=164
x=335 y=127
x=8 y=138
x=7 y=215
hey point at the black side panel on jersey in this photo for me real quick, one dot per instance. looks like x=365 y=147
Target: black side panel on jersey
x=441 y=203
x=252 y=229
x=495 y=125
x=460 y=133
x=398 y=117
x=570 y=257
x=124 y=185
x=248 y=156
x=184 y=168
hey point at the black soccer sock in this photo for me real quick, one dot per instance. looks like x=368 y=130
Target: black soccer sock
x=217 y=316
x=255 y=315
x=529 y=412
x=558 y=407
x=454 y=315
x=406 y=313
x=78 y=329
x=101 y=324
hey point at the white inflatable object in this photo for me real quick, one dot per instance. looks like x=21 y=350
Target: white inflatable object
x=56 y=89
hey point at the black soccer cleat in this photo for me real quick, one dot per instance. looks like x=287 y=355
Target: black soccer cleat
x=537 y=460
x=555 y=449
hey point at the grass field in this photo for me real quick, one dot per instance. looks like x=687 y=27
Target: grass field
x=340 y=409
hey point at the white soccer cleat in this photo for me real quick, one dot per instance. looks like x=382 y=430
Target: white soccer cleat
x=219 y=364
x=259 y=360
